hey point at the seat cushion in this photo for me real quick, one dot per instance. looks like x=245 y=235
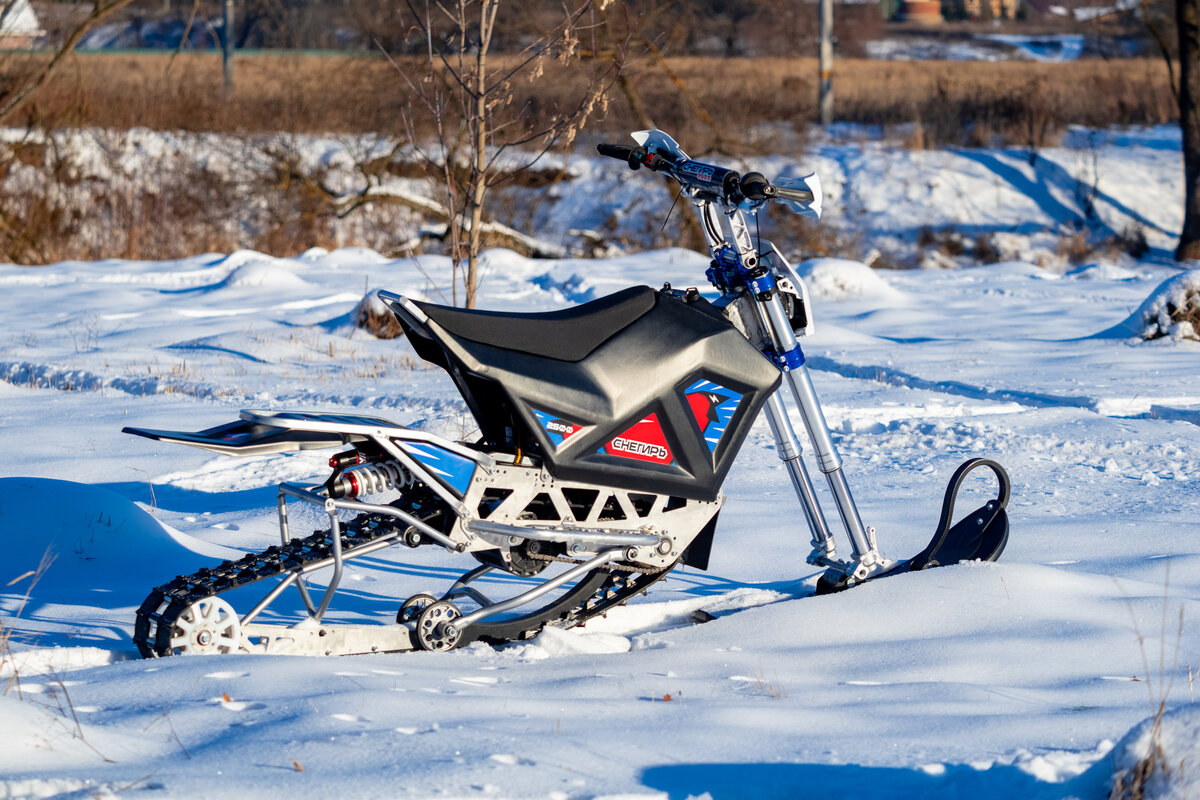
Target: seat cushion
x=566 y=335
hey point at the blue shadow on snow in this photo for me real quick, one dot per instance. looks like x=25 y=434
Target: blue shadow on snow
x=856 y=782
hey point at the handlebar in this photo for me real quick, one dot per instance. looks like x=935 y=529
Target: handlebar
x=707 y=181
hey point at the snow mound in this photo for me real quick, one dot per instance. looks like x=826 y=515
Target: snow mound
x=53 y=660
x=1158 y=759
x=373 y=315
x=345 y=257
x=98 y=542
x=1101 y=271
x=1172 y=309
x=37 y=737
x=560 y=642
x=843 y=279
x=262 y=274
x=250 y=268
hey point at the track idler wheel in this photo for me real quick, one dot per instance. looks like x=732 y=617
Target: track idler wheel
x=435 y=626
x=206 y=627
x=411 y=609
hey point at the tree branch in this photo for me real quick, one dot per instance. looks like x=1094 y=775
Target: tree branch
x=99 y=11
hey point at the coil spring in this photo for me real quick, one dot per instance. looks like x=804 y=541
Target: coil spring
x=370 y=479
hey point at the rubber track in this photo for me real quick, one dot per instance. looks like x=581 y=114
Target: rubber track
x=595 y=593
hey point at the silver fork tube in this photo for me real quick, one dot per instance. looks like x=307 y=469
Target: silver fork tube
x=788 y=447
x=830 y=462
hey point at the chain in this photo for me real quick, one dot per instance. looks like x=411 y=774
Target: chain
x=609 y=566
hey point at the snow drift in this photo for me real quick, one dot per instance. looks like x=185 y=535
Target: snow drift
x=1172 y=310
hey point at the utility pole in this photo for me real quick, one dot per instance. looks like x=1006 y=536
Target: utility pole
x=227 y=48
x=825 y=90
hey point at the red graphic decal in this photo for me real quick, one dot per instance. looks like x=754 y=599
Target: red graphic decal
x=644 y=441
x=704 y=408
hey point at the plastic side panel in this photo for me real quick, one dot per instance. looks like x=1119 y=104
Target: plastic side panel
x=643 y=372
x=557 y=429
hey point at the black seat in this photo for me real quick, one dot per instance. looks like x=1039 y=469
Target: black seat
x=566 y=335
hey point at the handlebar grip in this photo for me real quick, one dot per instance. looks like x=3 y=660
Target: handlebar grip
x=621 y=151
x=795 y=195
x=633 y=156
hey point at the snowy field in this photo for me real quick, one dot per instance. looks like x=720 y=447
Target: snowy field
x=999 y=680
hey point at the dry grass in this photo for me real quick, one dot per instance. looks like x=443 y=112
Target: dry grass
x=1185 y=314
x=971 y=103
x=377 y=319
x=1080 y=246
x=1152 y=770
x=188 y=208
x=943 y=102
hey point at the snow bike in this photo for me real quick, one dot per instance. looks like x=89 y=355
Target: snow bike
x=606 y=431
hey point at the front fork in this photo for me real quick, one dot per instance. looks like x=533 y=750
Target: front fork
x=865 y=560
x=770 y=316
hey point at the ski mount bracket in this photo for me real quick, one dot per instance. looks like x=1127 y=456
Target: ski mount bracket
x=979 y=536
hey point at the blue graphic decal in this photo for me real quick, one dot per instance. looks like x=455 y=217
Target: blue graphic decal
x=557 y=428
x=712 y=406
x=454 y=470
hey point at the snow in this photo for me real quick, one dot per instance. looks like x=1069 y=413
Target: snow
x=1154 y=318
x=978 y=680
x=980 y=47
x=1063 y=47
x=840 y=278
x=1172 y=743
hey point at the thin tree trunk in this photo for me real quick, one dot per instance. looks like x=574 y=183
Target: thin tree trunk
x=478 y=186
x=1187 y=19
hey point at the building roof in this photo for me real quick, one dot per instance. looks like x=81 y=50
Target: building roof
x=20 y=20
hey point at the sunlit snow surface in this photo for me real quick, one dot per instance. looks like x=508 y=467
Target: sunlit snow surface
x=982 y=680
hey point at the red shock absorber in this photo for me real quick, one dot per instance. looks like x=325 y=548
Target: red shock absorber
x=351 y=458
x=369 y=479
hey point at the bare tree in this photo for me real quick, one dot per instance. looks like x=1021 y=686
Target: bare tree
x=1187 y=20
x=20 y=82
x=30 y=82
x=467 y=93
